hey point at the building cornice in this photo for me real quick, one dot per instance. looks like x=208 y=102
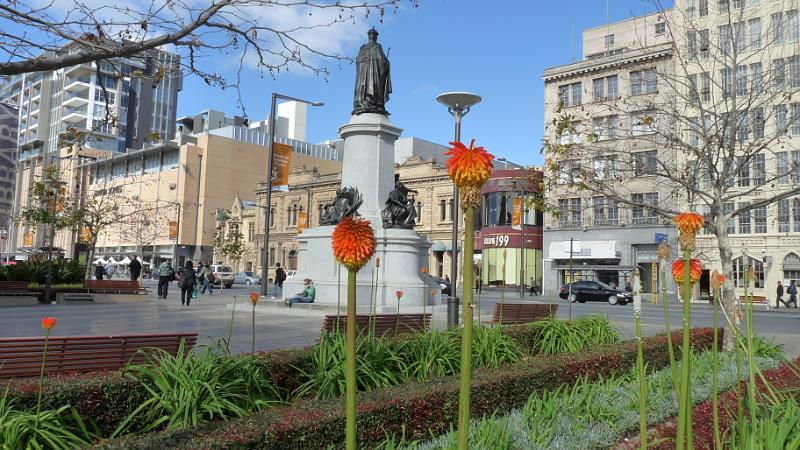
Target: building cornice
x=610 y=62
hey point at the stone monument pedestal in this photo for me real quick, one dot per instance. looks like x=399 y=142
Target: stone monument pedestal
x=369 y=167
x=402 y=254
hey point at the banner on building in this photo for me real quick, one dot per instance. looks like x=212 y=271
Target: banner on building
x=281 y=161
x=86 y=235
x=9 y=124
x=302 y=221
x=173 y=230
x=516 y=214
x=27 y=240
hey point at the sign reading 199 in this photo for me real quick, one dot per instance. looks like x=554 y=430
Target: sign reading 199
x=496 y=241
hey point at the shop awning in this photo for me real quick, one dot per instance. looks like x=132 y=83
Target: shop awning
x=583 y=250
x=439 y=246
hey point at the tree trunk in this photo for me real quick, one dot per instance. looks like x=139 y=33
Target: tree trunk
x=728 y=289
x=90 y=259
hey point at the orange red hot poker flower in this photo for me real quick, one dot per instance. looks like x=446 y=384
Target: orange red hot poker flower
x=689 y=222
x=695 y=270
x=353 y=243
x=469 y=166
x=48 y=323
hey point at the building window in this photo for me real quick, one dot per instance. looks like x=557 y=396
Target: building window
x=272 y=218
x=605 y=168
x=605 y=211
x=783 y=215
x=599 y=89
x=757 y=118
x=724 y=6
x=643 y=122
x=760 y=219
x=730 y=223
x=794 y=71
x=744 y=219
x=726 y=80
x=705 y=43
x=645 y=163
x=569 y=212
x=272 y=256
x=419 y=212
x=777 y=28
x=605 y=88
x=759 y=169
x=661 y=27
x=796 y=215
x=795 y=167
x=725 y=39
x=251 y=231
x=755 y=33
x=643 y=81
x=640 y=212
x=791 y=25
x=606 y=127
x=442 y=210
x=452 y=210
x=691 y=45
x=705 y=92
x=609 y=40
x=741 y=80
x=782 y=167
x=780 y=119
x=703 y=8
x=743 y=176
x=570 y=94
x=740 y=269
x=779 y=74
x=498 y=209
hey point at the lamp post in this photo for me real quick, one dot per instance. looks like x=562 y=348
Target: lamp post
x=458 y=105
x=268 y=201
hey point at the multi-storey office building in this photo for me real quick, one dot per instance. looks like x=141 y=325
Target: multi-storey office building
x=123 y=104
x=688 y=109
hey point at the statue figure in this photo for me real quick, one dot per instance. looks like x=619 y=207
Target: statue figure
x=399 y=211
x=346 y=204
x=373 y=82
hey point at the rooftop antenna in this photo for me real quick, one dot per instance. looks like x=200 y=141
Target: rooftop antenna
x=608 y=26
x=644 y=19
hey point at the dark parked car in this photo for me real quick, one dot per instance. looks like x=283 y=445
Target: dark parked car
x=443 y=284
x=583 y=291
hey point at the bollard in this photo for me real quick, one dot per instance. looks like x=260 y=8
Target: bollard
x=452 y=312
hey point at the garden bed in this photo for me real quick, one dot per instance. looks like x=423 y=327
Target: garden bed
x=415 y=409
x=785 y=379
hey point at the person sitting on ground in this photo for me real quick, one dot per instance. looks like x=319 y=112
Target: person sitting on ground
x=307 y=296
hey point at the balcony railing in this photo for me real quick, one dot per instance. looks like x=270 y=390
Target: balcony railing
x=569 y=223
x=606 y=221
x=645 y=220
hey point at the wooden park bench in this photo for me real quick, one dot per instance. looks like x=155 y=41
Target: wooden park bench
x=22 y=356
x=112 y=286
x=522 y=312
x=758 y=300
x=16 y=293
x=384 y=323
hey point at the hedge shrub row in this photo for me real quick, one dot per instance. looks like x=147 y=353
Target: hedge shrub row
x=414 y=408
x=108 y=397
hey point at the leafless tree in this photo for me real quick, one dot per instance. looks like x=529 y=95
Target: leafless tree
x=706 y=128
x=270 y=34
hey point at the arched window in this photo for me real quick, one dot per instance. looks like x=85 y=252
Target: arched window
x=288 y=216
x=740 y=268
x=272 y=217
x=791 y=267
x=292 y=263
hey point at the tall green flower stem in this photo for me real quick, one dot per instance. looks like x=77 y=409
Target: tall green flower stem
x=373 y=288
x=748 y=304
x=464 y=392
x=480 y=288
x=230 y=326
x=672 y=368
x=253 y=347
x=41 y=377
x=642 y=385
x=373 y=303
x=715 y=370
x=684 y=436
x=338 y=295
x=350 y=363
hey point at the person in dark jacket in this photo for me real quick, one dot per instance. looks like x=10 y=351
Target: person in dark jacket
x=99 y=271
x=792 y=291
x=187 y=283
x=779 y=296
x=280 y=276
x=135 y=268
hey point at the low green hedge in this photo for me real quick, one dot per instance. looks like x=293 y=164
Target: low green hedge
x=414 y=408
x=108 y=397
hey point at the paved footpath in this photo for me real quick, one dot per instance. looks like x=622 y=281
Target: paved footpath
x=278 y=327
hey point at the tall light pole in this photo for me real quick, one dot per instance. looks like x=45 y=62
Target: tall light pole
x=458 y=105
x=268 y=202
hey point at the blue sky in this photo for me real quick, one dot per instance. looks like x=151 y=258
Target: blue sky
x=497 y=50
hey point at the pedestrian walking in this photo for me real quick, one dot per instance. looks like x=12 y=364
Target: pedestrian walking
x=533 y=286
x=779 y=296
x=99 y=271
x=187 y=283
x=280 y=276
x=207 y=278
x=166 y=274
x=135 y=268
x=111 y=269
x=792 y=291
x=478 y=285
